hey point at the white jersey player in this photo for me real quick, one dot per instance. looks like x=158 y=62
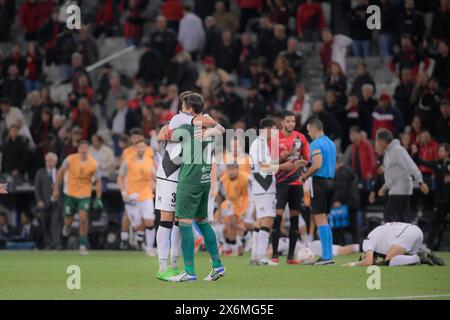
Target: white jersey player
x=263 y=188
x=398 y=243
x=168 y=238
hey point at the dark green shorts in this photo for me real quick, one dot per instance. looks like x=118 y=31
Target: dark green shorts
x=73 y=205
x=192 y=203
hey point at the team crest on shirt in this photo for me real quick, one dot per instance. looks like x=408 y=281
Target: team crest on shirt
x=263 y=182
x=168 y=165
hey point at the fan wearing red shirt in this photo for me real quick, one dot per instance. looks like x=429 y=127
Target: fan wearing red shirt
x=292 y=146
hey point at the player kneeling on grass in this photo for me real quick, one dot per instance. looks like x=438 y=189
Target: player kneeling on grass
x=234 y=198
x=193 y=188
x=78 y=171
x=398 y=244
x=136 y=180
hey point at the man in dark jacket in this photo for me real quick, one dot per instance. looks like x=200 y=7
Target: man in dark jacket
x=255 y=108
x=49 y=209
x=14 y=87
x=332 y=128
x=15 y=152
x=403 y=93
x=121 y=121
x=230 y=103
x=164 y=40
x=212 y=36
x=184 y=72
x=345 y=192
x=411 y=22
x=363 y=77
x=151 y=65
x=441 y=170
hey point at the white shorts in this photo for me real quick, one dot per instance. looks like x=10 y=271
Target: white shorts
x=265 y=205
x=411 y=239
x=142 y=210
x=211 y=207
x=166 y=192
x=247 y=217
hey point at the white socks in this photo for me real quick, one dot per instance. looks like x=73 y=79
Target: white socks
x=254 y=244
x=175 y=246
x=163 y=244
x=263 y=242
x=404 y=260
x=149 y=238
x=124 y=236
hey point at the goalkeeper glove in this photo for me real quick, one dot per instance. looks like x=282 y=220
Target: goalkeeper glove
x=98 y=204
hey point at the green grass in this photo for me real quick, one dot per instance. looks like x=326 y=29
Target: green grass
x=131 y=275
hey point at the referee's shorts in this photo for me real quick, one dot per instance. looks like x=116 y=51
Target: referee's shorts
x=321 y=195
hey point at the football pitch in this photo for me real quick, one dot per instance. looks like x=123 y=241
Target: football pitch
x=131 y=275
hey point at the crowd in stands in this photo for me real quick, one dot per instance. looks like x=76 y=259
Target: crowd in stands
x=242 y=55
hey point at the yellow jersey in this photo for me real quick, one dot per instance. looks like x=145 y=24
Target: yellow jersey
x=139 y=177
x=78 y=175
x=236 y=191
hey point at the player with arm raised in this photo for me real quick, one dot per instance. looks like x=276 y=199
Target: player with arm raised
x=168 y=234
x=78 y=170
x=136 y=181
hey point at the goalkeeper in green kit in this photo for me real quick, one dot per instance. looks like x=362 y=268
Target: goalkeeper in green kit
x=192 y=194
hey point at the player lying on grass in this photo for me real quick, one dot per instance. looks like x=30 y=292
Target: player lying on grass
x=136 y=181
x=398 y=244
x=193 y=191
x=234 y=207
x=130 y=152
x=315 y=248
x=78 y=170
x=168 y=236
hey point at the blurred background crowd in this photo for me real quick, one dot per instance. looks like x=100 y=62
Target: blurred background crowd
x=249 y=58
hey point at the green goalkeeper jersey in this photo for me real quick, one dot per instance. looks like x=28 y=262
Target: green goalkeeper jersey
x=196 y=159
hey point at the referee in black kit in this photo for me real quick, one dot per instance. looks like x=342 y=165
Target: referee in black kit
x=321 y=169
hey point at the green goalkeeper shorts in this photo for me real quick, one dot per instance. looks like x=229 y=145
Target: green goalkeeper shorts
x=73 y=205
x=191 y=203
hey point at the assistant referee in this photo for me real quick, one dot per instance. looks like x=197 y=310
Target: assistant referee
x=321 y=169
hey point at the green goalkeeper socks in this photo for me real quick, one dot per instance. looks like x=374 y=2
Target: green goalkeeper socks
x=187 y=247
x=210 y=239
x=83 y=240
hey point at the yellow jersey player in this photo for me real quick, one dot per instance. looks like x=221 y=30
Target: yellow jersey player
x=135 y=136
x=78 y=170
x=234 y=196
x=136 y=182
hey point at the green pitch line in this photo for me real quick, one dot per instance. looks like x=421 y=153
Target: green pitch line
x=131 y=275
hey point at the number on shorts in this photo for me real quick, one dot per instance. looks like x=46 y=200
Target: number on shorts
x=174 y=197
